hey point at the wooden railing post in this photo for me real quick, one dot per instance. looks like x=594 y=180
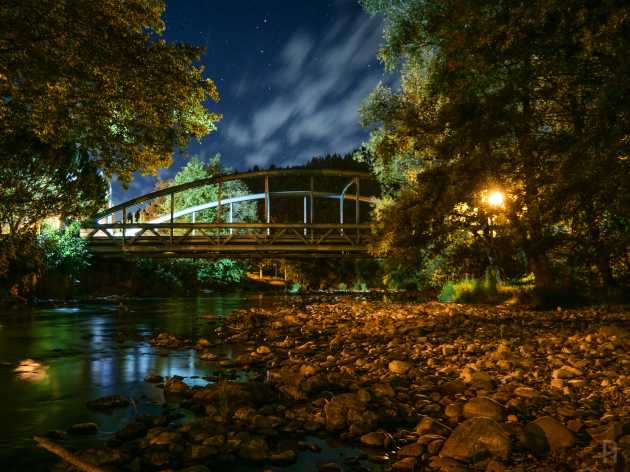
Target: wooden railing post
x=312 y=206
x=172 y=214
x=124 y=224
x=219 y=191
x=231 y=216
x=357 y=208
x=267 y=204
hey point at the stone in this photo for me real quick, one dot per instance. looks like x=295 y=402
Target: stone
x=453 y=411
x=108 y=403
x=566 y=372
x=606 y=432
x=164 y=438
x=263 y=350
x=477 y=438
x=526 y=392
x=198 y=452
x=83 y=428
x=287 y=457
x=428 y=425
x=307 y=370
x=444 y=464
x=376 y=439
x=255 y=450
x=383 y=390
x=329 y=467
x=153 y=378
x=399 y=367
x=485 y=408
x=175 y=386
x=453 y=387
x=555 y=433
x=408 y=463
x=411 y=450
x=495 y=466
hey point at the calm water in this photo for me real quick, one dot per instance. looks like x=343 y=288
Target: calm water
x=85 y=352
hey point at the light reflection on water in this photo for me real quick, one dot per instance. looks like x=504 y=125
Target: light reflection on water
x=75 y=354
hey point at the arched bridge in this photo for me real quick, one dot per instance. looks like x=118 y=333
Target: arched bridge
x=296 y=212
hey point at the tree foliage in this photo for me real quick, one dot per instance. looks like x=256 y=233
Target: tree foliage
x=530 y=98
x=97 y=75
x=195 y=170
x=65 y=251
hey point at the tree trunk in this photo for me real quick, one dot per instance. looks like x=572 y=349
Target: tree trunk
x=542 y=271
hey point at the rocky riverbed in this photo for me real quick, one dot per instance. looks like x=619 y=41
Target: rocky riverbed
x=419 y=386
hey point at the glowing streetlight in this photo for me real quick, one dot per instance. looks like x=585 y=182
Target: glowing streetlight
x=496 y=198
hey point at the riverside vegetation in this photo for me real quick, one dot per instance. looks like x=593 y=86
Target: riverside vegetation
x=416 y=386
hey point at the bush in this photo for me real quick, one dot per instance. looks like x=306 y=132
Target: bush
x=65 y=251
x=471 y=290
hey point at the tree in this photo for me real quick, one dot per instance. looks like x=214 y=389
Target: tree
x=531 y=98
x=194 y=170
x=92 y=78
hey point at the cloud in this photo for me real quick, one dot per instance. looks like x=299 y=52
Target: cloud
x=319 y=85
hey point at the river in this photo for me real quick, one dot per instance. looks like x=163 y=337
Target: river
x=72 y=354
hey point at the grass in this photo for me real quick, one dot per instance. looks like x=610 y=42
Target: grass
x=486 y=290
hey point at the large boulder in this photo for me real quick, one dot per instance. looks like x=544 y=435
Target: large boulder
x=547 y=433
x=485 y=408
x=475 y=439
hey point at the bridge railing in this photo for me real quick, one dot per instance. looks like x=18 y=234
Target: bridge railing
x=227 y=238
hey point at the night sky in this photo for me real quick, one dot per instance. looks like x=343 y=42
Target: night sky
x=291 y=76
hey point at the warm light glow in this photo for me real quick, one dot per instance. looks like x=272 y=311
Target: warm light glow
x=496 y=198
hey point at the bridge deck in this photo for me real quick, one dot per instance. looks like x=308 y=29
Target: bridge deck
x=235 y=239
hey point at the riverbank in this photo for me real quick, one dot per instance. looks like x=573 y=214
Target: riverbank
x=447 y=387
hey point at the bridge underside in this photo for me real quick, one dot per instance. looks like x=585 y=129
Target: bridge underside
x=229 y=240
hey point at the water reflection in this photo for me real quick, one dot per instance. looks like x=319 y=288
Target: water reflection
x=31 y=371
x=54 y=360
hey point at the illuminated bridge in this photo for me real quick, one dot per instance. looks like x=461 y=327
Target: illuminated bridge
x=318 y=212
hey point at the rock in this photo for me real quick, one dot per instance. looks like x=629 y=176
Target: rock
x=108 y=403
x=263 y=350
x=606 y=432
x=329 y=467
x=287 y=457
x=553 y=431
x=376 y=439
x=495 y=466
x=478 y=379
x=428 y=425
x=83 y=428
x=399 y=367
x=307 y=370
x=444 y=464
x=566 y=372
x=411 y=450
x=454 y=387
x=408 y=463
x=340 y=407
x=255 y=450
x=163 y=438
x=383 y=390
x=195 y=468
x=575 y=425
x=175 y=386
x=198 y=452
x=485 y=408
x=153 y=378
x=475 y=439
x=526 y=392
x=453 y=411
